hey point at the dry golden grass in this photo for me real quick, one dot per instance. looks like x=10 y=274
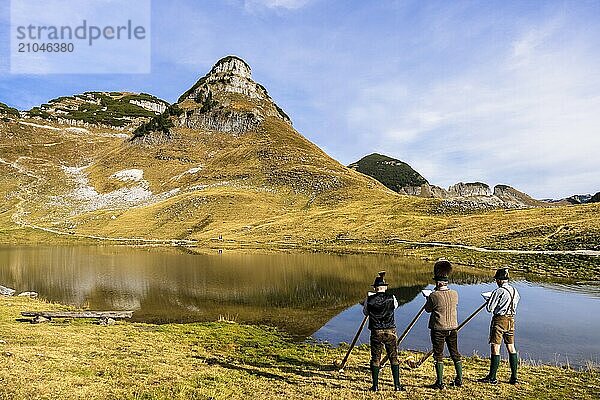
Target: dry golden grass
x=74 y=360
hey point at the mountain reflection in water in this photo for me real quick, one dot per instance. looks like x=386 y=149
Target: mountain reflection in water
x=296 y=292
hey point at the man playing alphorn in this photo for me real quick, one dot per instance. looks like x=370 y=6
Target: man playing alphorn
x=379 y=307
x=502 y=304
x=442 y=303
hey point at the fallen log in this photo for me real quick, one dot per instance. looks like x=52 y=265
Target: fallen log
x=105 y=317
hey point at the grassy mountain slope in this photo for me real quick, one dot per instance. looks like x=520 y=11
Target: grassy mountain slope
x=229 y=164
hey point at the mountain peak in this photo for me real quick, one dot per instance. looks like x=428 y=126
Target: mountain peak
x=230 y=74
x=226 y=99
x=232 y=65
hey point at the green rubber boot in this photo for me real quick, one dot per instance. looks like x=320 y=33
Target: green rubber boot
x=513 y=359
x=396 y=374
x=439 y=373
x=494 y=364
x=458 y=379
x=375 y=377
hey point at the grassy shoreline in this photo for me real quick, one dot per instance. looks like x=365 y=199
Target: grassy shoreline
x=77 y=359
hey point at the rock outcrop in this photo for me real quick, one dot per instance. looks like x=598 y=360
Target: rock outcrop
x=425 y=190
x=474 y=195
x=513 y=197
x=469 y=189
x=595 y=198
x=157 y=107
x=230 y=74
x=121 y=110
x=478 y=195
x=6 y=111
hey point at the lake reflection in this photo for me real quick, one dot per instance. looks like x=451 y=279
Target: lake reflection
x=304 y=294
x=297 y=292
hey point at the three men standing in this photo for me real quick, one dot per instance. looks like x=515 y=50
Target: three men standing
x=503 y=305
x=379 y=307
x=442 y=304
x=443 y=322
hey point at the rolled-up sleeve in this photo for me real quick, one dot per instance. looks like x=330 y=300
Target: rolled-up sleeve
x=493 y=301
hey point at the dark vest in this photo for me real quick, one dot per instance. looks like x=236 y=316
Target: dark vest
x=381 y=311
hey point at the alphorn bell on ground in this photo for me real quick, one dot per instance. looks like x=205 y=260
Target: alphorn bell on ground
x=410 y=325
x=462 y=324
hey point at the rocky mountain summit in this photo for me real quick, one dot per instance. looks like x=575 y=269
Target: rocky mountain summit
x=224 y=100
x=112 y=109
x=469 y=189
x=224 y=133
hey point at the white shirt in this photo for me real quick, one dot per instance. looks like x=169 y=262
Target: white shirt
x=504 y=300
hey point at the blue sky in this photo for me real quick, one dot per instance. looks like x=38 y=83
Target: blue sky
x=492 y=91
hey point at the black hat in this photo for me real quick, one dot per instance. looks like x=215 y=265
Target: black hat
x=441 y=270
x=379 y=281
x=501 y=274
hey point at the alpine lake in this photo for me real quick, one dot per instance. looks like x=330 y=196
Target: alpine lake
x=311 y=296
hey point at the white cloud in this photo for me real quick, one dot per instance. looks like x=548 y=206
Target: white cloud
x=526 y=45
x=528 y=118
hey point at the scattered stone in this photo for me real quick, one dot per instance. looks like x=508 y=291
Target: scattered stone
x=106 y=321
x=39 y=319
x=32 y=295
x=5 y=291
x=127 y=175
